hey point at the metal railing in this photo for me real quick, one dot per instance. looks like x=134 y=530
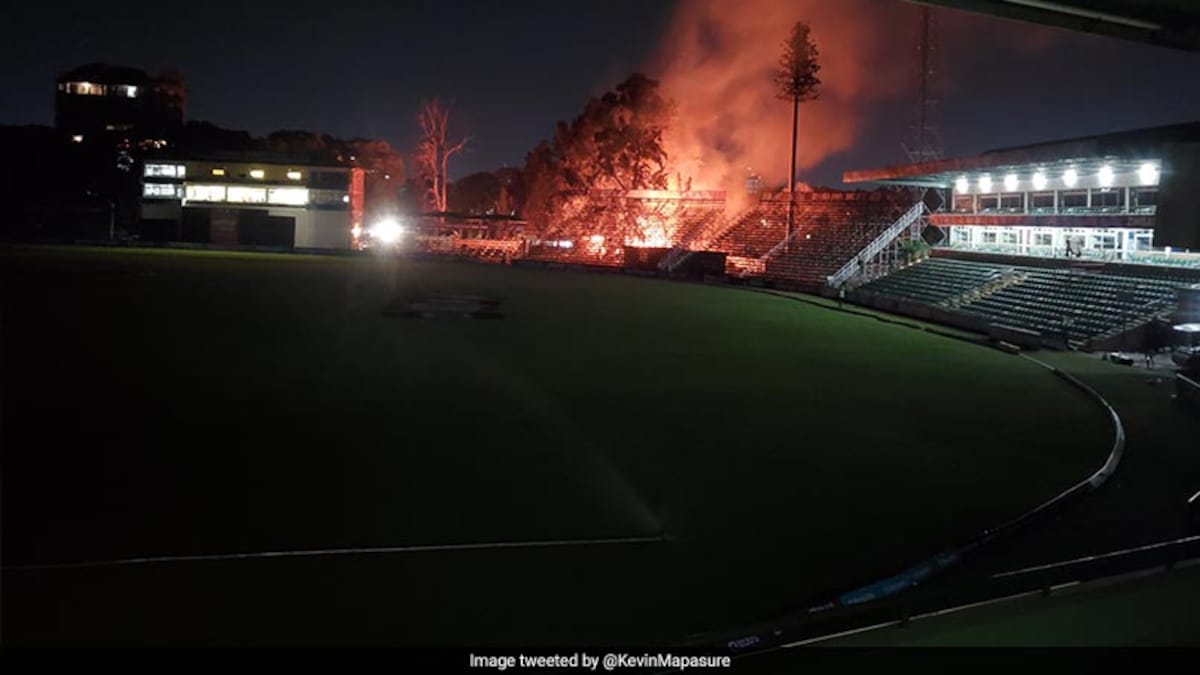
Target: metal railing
x=783 y=243
x=910 y=218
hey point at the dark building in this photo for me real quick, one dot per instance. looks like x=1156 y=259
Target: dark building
x=99 y=98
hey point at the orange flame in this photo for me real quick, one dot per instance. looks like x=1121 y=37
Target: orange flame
x=718 y=57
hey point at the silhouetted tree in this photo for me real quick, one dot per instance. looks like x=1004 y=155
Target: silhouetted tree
x=615 y=143
x=796 y=80
x=435 y=150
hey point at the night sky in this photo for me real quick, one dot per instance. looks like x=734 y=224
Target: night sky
x=513 y=68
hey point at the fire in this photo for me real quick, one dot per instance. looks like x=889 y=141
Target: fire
x=652 y=233
x=716 y=65
x=716 y=62
x=596 y=245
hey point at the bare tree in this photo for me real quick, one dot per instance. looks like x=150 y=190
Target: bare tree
x=434 y=151
x=796 y=80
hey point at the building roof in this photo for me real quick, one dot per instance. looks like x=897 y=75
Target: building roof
x=249 y=157
x=1119 y=148
x=1165 y=23
x=104 y=73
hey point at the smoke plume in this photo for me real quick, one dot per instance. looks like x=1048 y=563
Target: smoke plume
x=718 y=57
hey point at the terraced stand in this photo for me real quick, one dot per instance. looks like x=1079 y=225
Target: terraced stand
x=1086 y=306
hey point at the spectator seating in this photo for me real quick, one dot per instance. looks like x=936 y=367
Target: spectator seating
x=830 y=229
x=1084 y=304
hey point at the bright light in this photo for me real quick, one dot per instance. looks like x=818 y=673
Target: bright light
x=356 y=232
x=257 y=173
x=597 y=239
x=1039 y=180
x=1010 y=182
x=387 y=231
x=218 y=172
x=293 y=175
x=566 y=243
x=287 y=196
x=78 y=138
x=962 y=185
x=1105 y=176
x=246 y=195
x=1070 y=177
x=1148 y=174
x=985 y=183
x=652 y=233
x=345 y=199
x=204 y=193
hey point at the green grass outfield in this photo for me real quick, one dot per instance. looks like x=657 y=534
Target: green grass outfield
x=170 y=403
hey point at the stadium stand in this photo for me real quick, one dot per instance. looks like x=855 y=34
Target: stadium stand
x=596 y=228
x=1085 y=305
x=830 y=229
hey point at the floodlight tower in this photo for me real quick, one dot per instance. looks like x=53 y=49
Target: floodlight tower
x=925 y=140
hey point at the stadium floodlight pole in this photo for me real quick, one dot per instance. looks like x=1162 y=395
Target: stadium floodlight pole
x=792 y=175
x=796 y=80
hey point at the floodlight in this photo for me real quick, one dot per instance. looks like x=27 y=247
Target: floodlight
x=1039 y=180
x=1148 y=174
x=387 y=231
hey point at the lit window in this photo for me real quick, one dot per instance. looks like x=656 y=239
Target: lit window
x=288 y=196
x=257 y=174
x=293 y=175
x=85 y=88
x=128 y=90
x=247 y=195
x=164 y=170
x=205 y=193
x=218 y=172
x=160 y=191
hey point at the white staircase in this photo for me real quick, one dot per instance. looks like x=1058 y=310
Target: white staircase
x=909 y=223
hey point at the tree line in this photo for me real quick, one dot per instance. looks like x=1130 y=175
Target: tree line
x=616 y=142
